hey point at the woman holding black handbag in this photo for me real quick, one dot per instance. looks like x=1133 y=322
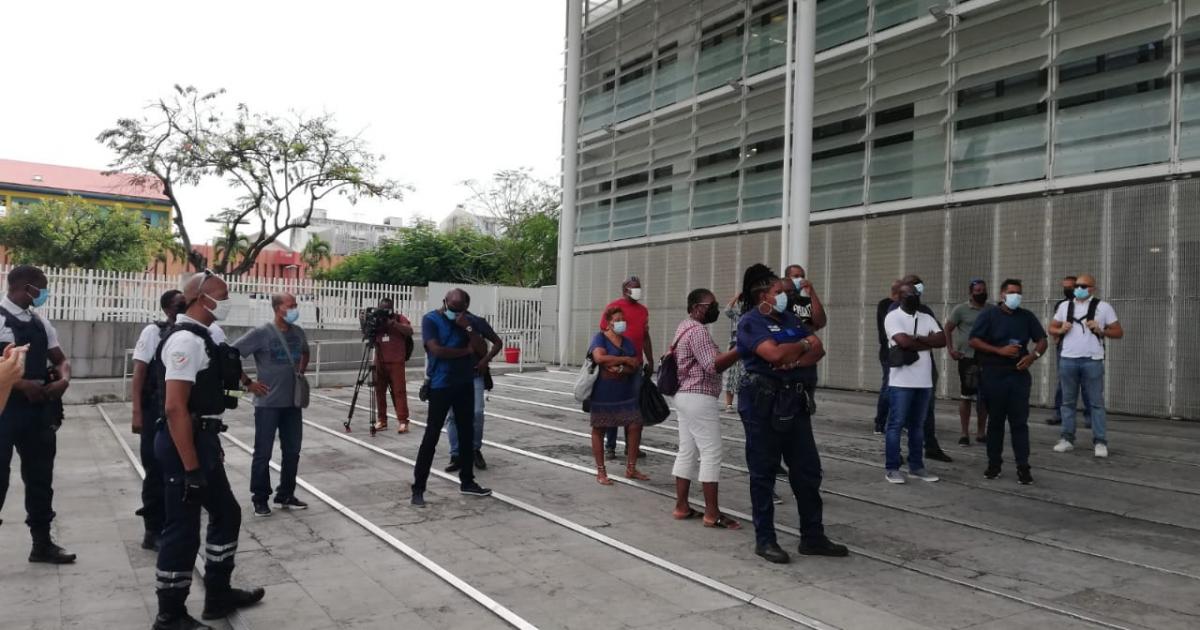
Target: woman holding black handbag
x=614 y=401
x=775 y=346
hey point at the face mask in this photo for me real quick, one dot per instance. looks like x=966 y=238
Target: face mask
x=911 y=303
x=979 y=298
x=1012 y=301
x=920 y=287
x=41 y=298
x=711 y=314
x=451 y=315
x=635 y=294
x=1081 y=294
x=797 y=282
x=781 y=302
x=220 y=309
x=292 y=315
x=1068 y=292
x=619 y=327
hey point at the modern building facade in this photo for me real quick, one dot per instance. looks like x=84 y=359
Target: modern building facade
x=344 y=236
x=462 y=219
x=991 y=138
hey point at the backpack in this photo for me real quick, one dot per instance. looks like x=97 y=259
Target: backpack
x=1091 y=313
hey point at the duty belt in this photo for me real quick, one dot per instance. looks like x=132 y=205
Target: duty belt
x=213 y=425
x=773 y=385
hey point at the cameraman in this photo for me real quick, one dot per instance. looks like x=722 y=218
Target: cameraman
x=393 y=343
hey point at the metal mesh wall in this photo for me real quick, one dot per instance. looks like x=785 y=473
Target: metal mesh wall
x=1142 y=242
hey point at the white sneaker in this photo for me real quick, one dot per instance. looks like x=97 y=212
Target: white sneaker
x=1064 y=446
x=923 y=475
x=894 y=476
x=1101 y=449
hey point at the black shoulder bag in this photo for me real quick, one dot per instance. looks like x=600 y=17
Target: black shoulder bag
x=899 y=357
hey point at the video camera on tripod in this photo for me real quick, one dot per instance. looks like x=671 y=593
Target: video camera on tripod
x=373 y=322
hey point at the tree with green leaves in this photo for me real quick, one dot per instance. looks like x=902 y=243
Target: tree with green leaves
x=74 y=232
x=230 y=246
x=528 y=210
x=316 y=251
x=280 y=166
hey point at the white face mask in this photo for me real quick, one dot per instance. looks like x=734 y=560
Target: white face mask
x=220 y=309
x=635 y=294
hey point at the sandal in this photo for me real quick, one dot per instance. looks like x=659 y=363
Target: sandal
x=724 y=522
x=380 y=426
x=634 y=473
x=602 y=476
x=402 y=428
x=691 y=513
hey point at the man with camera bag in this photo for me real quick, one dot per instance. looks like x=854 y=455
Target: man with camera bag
x=31 y=417
x=393 y=346
x=912 y=335
x=196 y=373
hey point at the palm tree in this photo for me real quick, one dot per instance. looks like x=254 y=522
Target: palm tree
x=315 y=252
x=238 y=245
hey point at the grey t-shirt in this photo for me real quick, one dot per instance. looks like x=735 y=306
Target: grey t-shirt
x=963 y=317
x=271 y=359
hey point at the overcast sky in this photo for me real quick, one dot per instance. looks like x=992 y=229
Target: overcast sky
x=446 y=90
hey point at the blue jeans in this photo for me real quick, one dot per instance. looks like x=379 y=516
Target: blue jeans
x=268 y=420
x=882 y=405
x=452 y=430
x=908 y=408
x=1086 y=375
x=1058 y=395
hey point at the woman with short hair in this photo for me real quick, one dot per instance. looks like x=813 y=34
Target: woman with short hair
x=614 y=401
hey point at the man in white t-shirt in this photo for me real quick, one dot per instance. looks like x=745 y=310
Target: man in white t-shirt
x=910 y=386
x=1084 y=323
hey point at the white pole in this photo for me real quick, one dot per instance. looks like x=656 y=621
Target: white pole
x=800 y=192
x=570 y=143
x=787 y=137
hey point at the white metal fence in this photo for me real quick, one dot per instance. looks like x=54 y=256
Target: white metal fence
x=93 y=295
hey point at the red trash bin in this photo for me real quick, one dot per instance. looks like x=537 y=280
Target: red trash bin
x=512 y=355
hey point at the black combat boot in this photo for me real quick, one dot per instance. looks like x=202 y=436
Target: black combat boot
x=172 y=612
x=44 y=550
x=218 y=603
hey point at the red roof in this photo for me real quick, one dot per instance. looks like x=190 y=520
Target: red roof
x=71 y=180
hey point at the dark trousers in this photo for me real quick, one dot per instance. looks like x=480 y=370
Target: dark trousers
x=181 y=530
x=23 y=429
x=931 y=443
x=883 y=405
x=1007 y=393
x=764 y=446
x=152 y=485
x=290 y=426
x=461 y=398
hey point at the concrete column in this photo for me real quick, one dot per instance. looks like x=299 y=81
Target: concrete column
x=796 y=215
x=570 y=167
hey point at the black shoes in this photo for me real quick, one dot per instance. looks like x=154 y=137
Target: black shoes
x=938 y=456
x=772 y=553
x=964 y=441
x=219 y=606
x=150 y=541
x=1023 y=476
x=610 y=453
x=480 y=462
x=291 y=503
x=992 y=472
x=454 y=466
x=47 y=552
x=261 y=509
x=1053 y=421
x=178 y=622
x=475 y=490
x=418 y=499
x=824 y=547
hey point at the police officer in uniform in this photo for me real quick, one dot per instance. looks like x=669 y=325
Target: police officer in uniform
x=147 y=409
x=775 y=348
x=196 y=374
x=33 y=414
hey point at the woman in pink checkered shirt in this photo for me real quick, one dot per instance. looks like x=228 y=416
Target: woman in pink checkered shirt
x=700 y=364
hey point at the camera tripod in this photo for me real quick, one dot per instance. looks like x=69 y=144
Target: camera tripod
x=366 y=374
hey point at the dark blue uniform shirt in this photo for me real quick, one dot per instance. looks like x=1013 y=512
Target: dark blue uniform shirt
x=1000 y=328
x=754 y=328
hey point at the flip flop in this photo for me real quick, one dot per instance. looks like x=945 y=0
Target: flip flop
x=724 y=522
x=692 y=513
x=402 y=428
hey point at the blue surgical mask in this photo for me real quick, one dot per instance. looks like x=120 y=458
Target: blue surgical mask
x=781 y=302
x=451 y=315
x=920 y=287
x=619 y=327
x=797 y=282
x=1081 y=293
x=1012 y=301
x=292 y=315
x=41 y=298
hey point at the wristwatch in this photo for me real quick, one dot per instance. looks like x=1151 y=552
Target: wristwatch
x=1036 y=354
x=470 y=329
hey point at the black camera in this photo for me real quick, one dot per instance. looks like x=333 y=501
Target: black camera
x=373 y=321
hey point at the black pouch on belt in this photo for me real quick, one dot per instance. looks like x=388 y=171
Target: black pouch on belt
x=787 y=405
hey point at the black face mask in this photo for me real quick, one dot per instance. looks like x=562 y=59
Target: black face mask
x=979 y=298
x=1068 y=292
x=711 y=314
x=910 y=303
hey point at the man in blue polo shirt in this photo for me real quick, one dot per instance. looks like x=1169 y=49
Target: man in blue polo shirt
x=451 y=343
x=1001 y=338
